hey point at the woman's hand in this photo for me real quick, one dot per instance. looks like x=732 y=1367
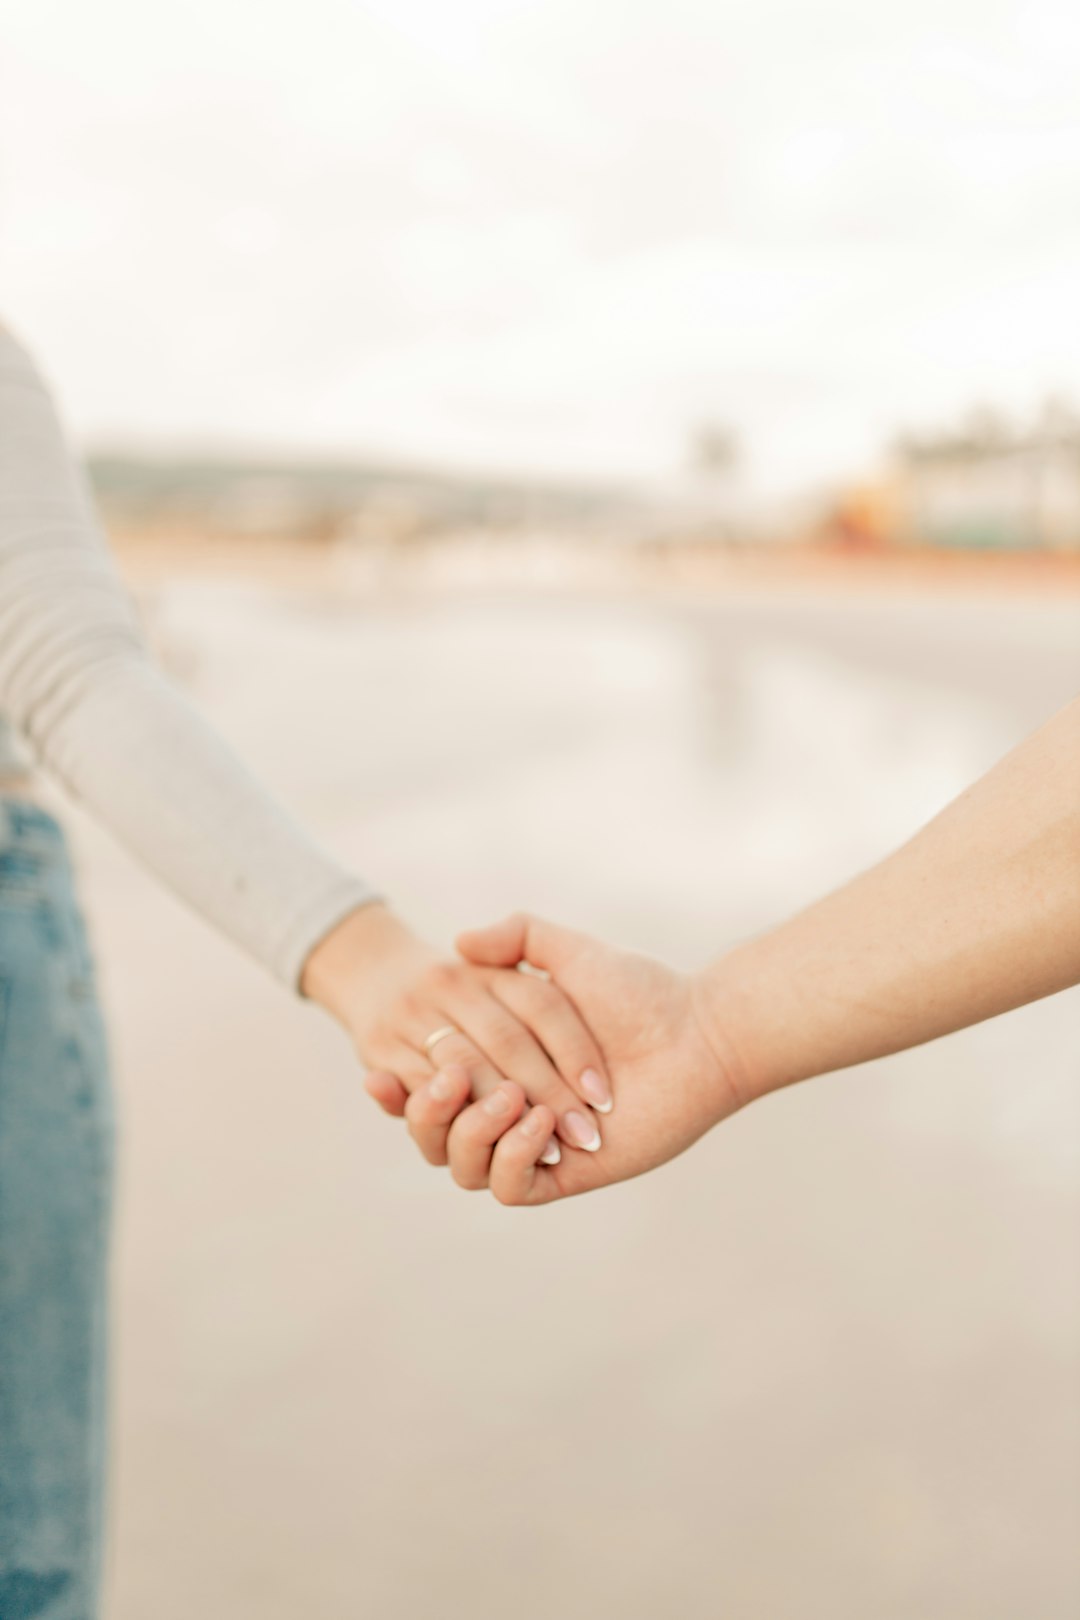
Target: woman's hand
x=672 y=1079
x=392 y=991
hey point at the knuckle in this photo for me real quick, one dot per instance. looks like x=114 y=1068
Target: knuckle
x=458 y=1054
x=406 y=1010
x=475 y=1129
x=442 y=977
x=381 y=1035
x=417 y=1109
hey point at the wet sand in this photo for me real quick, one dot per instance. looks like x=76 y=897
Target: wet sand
x=826 y=1365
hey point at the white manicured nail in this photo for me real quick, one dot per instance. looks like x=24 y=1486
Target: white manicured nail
x=581 y=1131
x=597 y=1091
x=552 y=1153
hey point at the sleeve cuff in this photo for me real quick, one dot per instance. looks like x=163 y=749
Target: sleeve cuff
x=314 y=923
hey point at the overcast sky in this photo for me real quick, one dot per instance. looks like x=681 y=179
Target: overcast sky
x=545 y=234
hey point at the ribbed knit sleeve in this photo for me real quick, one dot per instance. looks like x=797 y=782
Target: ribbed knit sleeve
x=77 y=681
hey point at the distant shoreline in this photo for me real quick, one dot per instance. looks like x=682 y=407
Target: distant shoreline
x=479 y=561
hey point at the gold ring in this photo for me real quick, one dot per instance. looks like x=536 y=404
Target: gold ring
x=439 y=1035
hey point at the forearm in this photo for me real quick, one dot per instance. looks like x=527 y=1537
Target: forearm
x=978 y=914
x=77 y=680
x=138 y=756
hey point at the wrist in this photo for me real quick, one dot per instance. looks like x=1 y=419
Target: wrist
x=724 y=1008
x=338 y=967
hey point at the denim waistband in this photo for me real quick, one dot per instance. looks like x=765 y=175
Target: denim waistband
x=26 y=826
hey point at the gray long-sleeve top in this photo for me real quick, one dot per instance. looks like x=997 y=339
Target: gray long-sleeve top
x=77 y=682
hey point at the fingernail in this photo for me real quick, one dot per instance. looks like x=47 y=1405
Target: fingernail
x=497 y=1103
x=581 y=1131
x=552 y=1153
x=441 y=1087
x=597 y=1090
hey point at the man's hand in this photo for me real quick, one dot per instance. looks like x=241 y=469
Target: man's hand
x=670 y=1081
x=975 y=915
x=391 y=991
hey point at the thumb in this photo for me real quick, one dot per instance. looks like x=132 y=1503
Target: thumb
x=521 y=938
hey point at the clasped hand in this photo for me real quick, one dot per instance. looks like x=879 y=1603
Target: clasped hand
x=512 y=1101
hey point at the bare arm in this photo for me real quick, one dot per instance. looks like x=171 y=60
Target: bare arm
x=978 y=914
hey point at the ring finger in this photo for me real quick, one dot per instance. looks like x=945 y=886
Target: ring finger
x=455 y=1050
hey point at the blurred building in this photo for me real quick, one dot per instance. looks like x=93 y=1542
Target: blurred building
x=988 y=487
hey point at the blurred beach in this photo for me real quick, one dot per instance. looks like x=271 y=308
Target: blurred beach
x=621 y=462
x=826 y=1365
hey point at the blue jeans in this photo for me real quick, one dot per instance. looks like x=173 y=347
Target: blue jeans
x=56 y=1148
